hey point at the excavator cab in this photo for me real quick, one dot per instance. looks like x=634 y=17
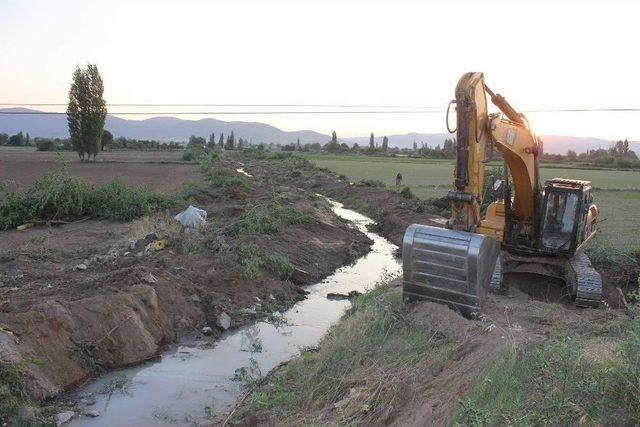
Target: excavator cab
x=567 y=216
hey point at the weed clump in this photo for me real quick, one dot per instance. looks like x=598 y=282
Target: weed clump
x=267 y=219
x=15 y=394
x=231 y=185
x=59 y=196
x=250 y=260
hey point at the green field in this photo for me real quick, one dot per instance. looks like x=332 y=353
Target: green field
x=617 y=192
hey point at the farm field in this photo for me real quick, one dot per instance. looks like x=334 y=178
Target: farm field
x=151 y=169
x=617 y=192
x=30 y=153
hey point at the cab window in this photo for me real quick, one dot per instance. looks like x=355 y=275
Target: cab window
x=559 y=220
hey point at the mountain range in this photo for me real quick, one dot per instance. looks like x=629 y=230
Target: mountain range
x=176 y=129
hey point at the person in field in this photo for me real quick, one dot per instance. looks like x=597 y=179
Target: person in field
x=399 y=179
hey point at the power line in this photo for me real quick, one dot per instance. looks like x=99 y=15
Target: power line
x=29 y=104
x=293 y=112
x=209 y=113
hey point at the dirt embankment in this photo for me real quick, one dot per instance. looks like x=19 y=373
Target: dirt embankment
x=266 y=237
x=425 y=389
x=392 y=211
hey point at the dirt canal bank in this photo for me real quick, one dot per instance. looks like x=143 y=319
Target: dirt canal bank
x=88 y=297
x=198 y=379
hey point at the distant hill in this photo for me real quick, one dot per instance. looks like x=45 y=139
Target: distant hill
x=172 y=128
x=158 y=128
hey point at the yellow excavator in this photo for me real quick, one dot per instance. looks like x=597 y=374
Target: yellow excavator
x=530 y=229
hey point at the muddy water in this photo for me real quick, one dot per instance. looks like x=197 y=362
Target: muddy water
x=192 y=384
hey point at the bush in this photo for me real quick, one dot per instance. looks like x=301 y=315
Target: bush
x=59 y=196
x=406 y=193
x=46 y=145
x=189 y=156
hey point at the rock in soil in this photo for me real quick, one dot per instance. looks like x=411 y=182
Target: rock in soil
x=207 y=330
x=80 y=267
x=63 y=417
x=92 y=413
x=224 y=321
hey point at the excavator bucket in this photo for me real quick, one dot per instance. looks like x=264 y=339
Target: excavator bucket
x=448 y=267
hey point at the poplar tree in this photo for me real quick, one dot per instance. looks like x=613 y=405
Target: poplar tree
x=86 y=111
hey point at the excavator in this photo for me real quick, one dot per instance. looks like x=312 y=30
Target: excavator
x=530 y=229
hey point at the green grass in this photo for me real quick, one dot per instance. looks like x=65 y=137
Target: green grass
x=568 y=380
x=59 y=196
x=13 y=377
x=250 y=260
x=374 y=349
x=267 y=219
x=231 y=184
x=431 y=178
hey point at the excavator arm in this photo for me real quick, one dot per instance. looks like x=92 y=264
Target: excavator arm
x=477 y=133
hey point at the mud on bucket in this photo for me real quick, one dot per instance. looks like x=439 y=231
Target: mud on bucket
x=448 y=267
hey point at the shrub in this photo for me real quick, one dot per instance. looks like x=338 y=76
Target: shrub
x=59 y=196
x=45 y=145
x=189 y=156
x=406 y=193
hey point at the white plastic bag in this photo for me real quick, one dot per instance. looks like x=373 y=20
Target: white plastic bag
x=192 y=217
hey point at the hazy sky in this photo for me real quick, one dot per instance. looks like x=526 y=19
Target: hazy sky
x=539 y=54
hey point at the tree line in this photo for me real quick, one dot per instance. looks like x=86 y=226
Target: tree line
x=618 y=155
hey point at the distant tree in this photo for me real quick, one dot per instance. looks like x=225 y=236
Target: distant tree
x=27 y=139
x=332 y=146
x=571 y=155
x=298 y=144
x=4 y=139
x=86 y=111
x=221 y=141
x=372 y=144
x=316 y=145
x=230 y=142
x=415 y=146
x=385 y=143
x=212 y=141
x=106 y=140
x=241 y=143
x=196 y=142
x=17 y=140
x=448 y=150
x=355 y=147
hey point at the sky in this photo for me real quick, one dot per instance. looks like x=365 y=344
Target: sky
x=538 y=54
